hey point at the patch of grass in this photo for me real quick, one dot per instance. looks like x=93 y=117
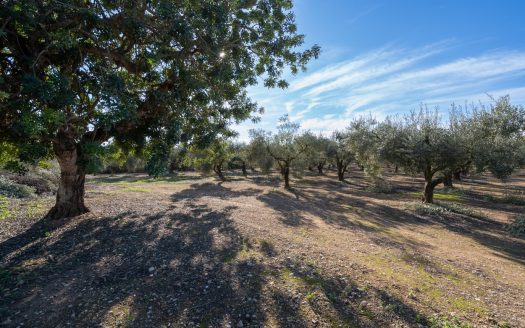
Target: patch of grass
x=310 y=296
x=288 y=276
x=128 y=179
x=367 y=225
x=463 y=304
x=137 y=189
x=35 y=209
x=447 y=322
x=445 y=195
x=463 y=210
x=444 y=209
x=4 y=208
x=514 y=198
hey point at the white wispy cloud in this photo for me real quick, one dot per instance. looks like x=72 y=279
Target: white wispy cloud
x=392 y=80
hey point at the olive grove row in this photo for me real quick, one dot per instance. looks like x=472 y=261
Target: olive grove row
x=485 y=139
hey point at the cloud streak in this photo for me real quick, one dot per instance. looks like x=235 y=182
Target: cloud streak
x=392 y=80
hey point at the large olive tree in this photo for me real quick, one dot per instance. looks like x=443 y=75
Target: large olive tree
x=75 y=73
x=420 y=143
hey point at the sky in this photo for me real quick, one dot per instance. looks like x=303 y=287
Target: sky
x=390 y=57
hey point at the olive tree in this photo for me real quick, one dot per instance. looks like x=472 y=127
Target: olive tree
x=492 y=137
x=420 y=143
x=74 y=74
x=214 y=157
x=286 y=146
x=361 y=139
x=497 y=139
x=256 y=153
x=240 y=156
x=339 y=152
x=317 y=152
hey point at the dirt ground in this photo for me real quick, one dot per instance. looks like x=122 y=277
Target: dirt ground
x=188 y=251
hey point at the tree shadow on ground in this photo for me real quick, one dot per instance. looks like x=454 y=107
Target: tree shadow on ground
x=173 y=267
x=142 y=178
x=213 y=190
x=352 y=209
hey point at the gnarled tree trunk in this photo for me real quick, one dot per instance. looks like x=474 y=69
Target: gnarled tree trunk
x=70 y=194
x=341 y=169
x=428 y=194
x=320 y=168
x=218 y=169
x=286 y=175
x=244 y=172
x=430 y=185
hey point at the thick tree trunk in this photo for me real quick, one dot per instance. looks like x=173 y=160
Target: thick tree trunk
x=218 y=170
x=457 y=176
x=447 y=181
x=430 y=184
x=244 y=172
x=428 y=194
x=320 y=168
x=286 y=175
x=340 y=171
x=70 y=194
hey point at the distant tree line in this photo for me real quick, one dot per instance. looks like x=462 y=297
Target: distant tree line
x=439 y=149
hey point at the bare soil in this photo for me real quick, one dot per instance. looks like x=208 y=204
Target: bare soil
x=189 y=251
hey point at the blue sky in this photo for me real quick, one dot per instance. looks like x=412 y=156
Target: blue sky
x=388 y=57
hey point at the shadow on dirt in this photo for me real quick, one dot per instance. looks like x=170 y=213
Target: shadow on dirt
x=143 y=271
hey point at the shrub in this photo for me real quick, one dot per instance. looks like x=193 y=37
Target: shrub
x=43 y=177
x=12 y=189
x=517 y=226
x=514 y=198
x=379 y=185
x=40 y=184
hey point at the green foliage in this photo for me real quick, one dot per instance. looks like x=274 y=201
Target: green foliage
x=257 y=154
x=158 y=159
x=363 y=142
x=517 y=226
x=338 y=151
x=420 y=144
x=137 y=72
x=5 y=213
x=492 y=137
x=213 y=157
x=447 y=322
x=287 y=144
x=319 y=149
x=91 y=157
x=514 y=197
x=12 y=189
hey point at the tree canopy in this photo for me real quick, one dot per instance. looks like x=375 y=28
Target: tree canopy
x=74 y=74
